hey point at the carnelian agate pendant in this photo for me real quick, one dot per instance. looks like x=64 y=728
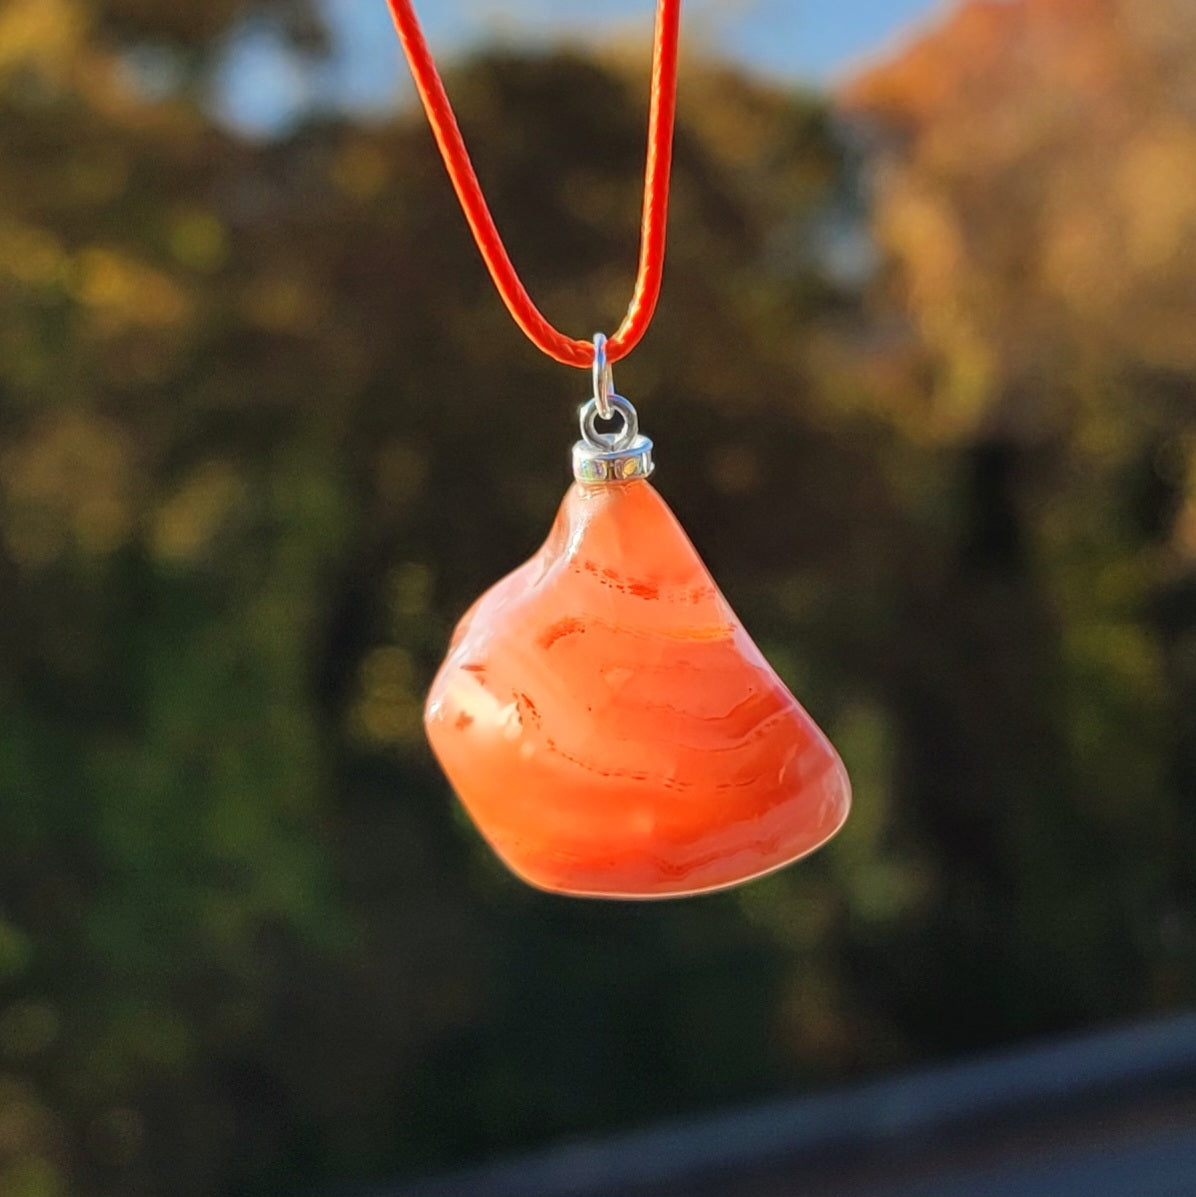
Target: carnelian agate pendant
x=606 y=720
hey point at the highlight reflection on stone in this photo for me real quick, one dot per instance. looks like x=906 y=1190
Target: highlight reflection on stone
x=611 y=727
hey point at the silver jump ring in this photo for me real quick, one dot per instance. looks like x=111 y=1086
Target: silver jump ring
x=604 y=378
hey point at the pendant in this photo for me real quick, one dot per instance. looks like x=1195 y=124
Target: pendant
x=605 y=719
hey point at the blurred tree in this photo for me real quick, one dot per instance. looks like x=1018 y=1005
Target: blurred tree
x=1040 y=179
x=159 y=756
x=1035 y=187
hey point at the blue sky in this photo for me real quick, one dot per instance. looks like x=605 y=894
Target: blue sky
x=812 y=40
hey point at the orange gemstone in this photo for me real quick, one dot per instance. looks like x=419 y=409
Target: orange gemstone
x=611 y=727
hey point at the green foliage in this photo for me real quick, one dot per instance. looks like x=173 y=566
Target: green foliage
x=265 y=432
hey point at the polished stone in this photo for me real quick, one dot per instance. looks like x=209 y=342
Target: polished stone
x=611 y=727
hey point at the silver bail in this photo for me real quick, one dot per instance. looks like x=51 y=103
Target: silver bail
x=618 y=456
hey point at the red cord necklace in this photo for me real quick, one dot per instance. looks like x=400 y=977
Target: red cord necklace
x=656 y=190
x=602 y=713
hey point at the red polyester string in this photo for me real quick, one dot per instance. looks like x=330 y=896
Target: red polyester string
x=465 y=183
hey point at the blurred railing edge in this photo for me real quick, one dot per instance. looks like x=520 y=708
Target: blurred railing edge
x=918 y=1105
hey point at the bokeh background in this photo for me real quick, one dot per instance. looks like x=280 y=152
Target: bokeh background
x=923 y=386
